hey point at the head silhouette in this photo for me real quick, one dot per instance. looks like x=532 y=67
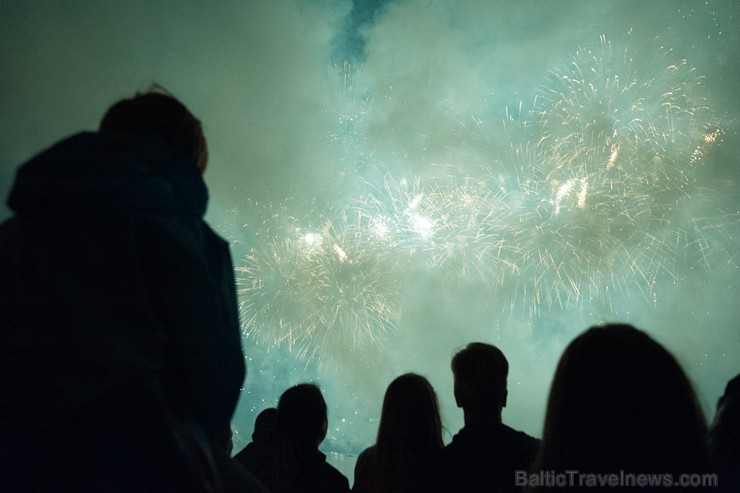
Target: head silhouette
x=156 y=113
x=301 y=414
x=620 y=401
x=265 y=425
x=724 y=437
x=728 y=406
x=480 y=371
x=410 y=416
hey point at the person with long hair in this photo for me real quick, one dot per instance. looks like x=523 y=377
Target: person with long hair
x=409 y=440
x=621 y=405
x=724 y=438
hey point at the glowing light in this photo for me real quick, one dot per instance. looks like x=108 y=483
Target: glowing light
x=319 y=300
x=613 y=156
x=313 y=240
x=341 y=255
x=380 y=227
x=589 y=197
x=421 y=225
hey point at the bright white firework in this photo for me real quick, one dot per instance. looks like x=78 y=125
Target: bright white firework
x=616 y=151
x=321 y=293
x=590 y=196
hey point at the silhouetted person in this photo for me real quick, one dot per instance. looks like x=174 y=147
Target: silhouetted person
x=120 y=349
x=258 y=454
x=724 y=438
x=485 y=454
x=295 y=464
x=406 y=452
x=620 y=401
x=265 y=426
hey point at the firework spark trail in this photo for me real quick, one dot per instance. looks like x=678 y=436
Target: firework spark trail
x=271 y=306
x=469 y=242
x=358 y=296
x=616 y=151
x=599 y=115
x=586 y=199
x=402 y=209
x=318 y=290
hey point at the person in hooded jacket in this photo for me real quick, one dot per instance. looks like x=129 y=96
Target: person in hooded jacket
x=120 y=350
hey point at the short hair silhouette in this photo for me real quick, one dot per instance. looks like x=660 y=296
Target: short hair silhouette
x=480 y=371
x=157 y=113
x=620 y=401
x=301 y=413
x=265 y=425
x=484 y=454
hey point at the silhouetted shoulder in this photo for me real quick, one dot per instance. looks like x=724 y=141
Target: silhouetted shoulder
x=285 y=454
x=365 y=468
x=724 y=438
x=142 y=384
x=405 y=453
x=483 y=455
x=333 y=480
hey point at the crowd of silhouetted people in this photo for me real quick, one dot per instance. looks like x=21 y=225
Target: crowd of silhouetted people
x=621 y=415
x=121 y=359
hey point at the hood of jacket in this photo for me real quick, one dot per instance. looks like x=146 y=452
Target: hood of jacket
x=95 y=172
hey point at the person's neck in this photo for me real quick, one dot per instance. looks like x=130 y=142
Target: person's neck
x=476 y=416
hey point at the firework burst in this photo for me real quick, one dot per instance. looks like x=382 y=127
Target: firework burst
x=319 y=290
x=619 y=145
x=591 y=195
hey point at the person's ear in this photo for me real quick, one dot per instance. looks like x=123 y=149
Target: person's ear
x=324 y=430
x=503 y=401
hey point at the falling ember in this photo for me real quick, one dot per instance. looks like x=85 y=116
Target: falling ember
x=340 y=253
x=613 y=156
x=582 y=194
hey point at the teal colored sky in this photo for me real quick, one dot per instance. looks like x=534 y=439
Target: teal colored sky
x=308 y=104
